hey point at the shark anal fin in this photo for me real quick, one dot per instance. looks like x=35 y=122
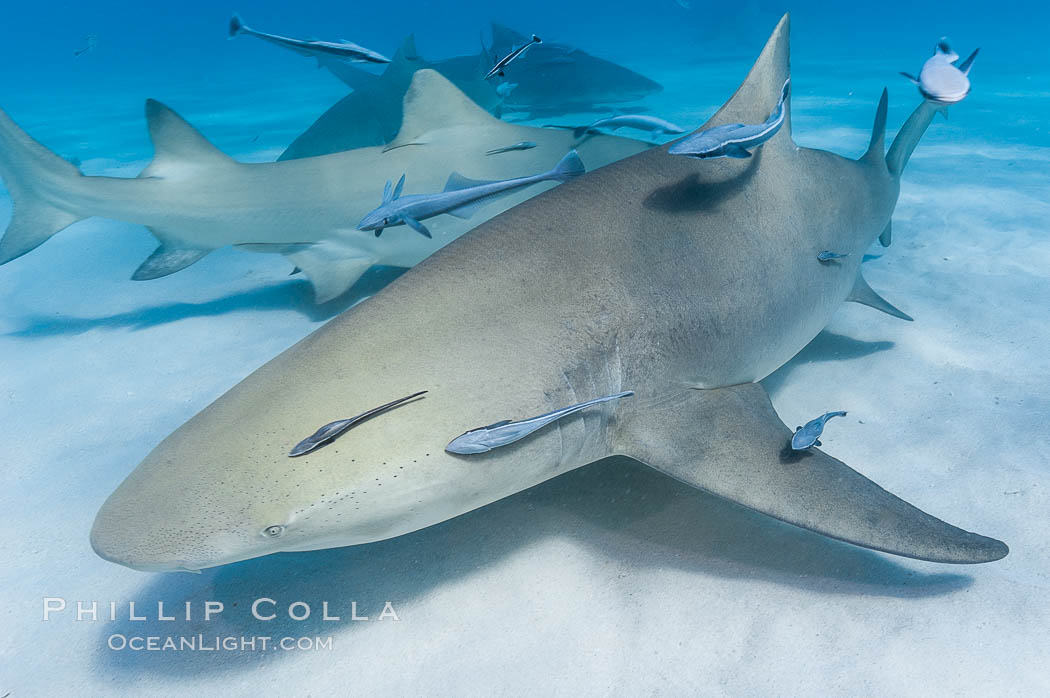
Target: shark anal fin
x=886 y=236
x=331 y=266
x=731 y=443
x=863 y=293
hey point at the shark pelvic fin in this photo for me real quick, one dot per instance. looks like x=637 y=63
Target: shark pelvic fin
x=886 y=237
x=169 y=257
x=731 y=443
x=431 y=103
x=758 y=95
x=863 y=294
x=177 y=146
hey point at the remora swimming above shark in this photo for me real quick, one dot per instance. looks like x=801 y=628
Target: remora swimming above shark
x=195 y=199
x=682 y=280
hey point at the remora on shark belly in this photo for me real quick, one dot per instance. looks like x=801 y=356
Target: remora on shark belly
x=195 y=199
x=682 y=280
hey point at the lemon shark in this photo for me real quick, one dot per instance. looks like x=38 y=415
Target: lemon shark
x=682 y=280
x=195 y=199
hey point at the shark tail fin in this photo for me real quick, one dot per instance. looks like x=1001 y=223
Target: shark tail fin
x=568 y=167
x=236 y=25
x=877 y=146
x=908 y=137
x=35 y=178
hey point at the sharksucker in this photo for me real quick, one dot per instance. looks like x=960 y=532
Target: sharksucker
x=809 y=435
x=461 y=197
x=333 y=430
x=506 y=432
x=520 y=145
x=635 y=121
x=342 y=50
x=733 y=140
x=680 y=279
x=502 y=63
x=940 y=80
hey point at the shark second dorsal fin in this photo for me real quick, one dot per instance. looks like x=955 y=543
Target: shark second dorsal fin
x=758 y=95
x=407 y=53
x=431 y=103
x=877 y=147
x=177 y=145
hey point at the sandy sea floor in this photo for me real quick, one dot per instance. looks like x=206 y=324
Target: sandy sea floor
x=612 y=579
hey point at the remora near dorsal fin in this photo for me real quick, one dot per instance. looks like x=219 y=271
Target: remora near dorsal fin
x=177 y=145
x=456 y=181
x=731 y=443
x=877 y=146
x=863 y=294
x=758 y=95
x=504 y=38
x=431 y=103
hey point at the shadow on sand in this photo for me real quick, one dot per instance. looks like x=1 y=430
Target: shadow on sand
x=619 y=508
x=293 y=295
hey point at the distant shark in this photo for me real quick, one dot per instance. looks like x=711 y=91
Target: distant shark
x=682 y=280
x=551 y=79
x=195 y=199
x=558 y=78
x=371 y=114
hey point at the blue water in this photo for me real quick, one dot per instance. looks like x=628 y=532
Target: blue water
x=609 y=582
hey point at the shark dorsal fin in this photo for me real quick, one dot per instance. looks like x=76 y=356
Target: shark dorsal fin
x=431 y=103
x=758 y=95
x=177 y=145
x=504 y=38
x=407 y=51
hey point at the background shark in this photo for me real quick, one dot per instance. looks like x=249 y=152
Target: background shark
x=195 y=199
x=558 y=79
x=685 y=281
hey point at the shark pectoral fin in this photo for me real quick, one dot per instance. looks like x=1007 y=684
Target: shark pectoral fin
x=731 y=443
x=331 y=268
x=416 y=226
x=865 y=295
x=735 y=151
x=167 y=259
x=914 y=80
x=886 y=237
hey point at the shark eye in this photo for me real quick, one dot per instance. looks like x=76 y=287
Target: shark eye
x=385 y=221
x=273 y=531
